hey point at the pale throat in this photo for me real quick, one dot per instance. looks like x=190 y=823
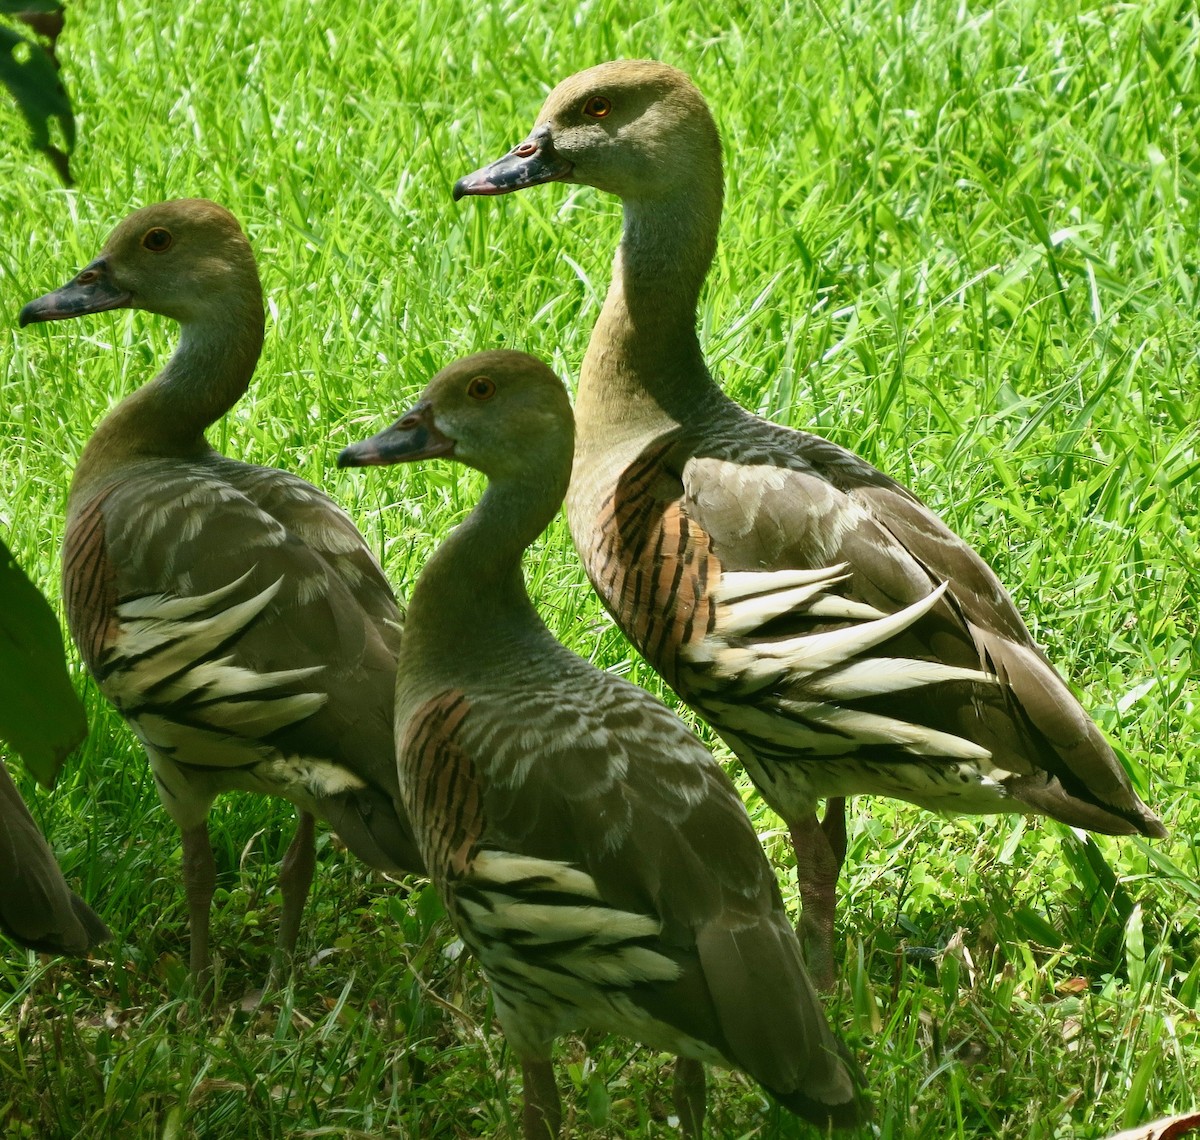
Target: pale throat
x=643 y=364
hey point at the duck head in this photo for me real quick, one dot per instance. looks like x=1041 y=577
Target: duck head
x=635 y=128
x=187 y=259
x=504 y=413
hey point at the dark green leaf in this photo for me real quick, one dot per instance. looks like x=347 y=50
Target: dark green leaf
x=28 y=71
x=1036 y=928
x=40 y=715
x=599 y=1103
x=20 y=7
x=429 y=906
x=1040 y=230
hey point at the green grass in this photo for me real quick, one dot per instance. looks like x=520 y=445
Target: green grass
x=960 y=240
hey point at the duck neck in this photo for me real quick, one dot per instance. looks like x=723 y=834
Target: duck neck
x=208 y=372
x=470 y=600
x=643 y=364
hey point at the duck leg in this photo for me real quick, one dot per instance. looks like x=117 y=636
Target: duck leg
x=688 y=1096
x=295 y=879
x=820 y=853
x=542 y=1117
x=199 y=882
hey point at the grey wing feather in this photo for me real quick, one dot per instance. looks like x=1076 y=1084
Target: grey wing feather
x=619 y=788
x=305 y=668
x=821 y=506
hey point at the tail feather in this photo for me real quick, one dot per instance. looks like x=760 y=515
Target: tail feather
x=777 y=1032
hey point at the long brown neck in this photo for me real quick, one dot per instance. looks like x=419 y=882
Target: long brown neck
x=166 y=418
x=643 y=370
x=470 y=602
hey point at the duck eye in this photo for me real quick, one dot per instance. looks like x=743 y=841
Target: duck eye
x=157 y=240
x=596 y=106
x=481 y=388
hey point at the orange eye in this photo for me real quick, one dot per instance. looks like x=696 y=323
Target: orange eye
x=157 y=240
x=596 y=106
x=481 y=388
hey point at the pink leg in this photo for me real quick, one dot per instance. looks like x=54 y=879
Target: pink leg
x=820 y=852
x=199 y=882
x=295 y=878
x=542 y=1117
x=688 y=1096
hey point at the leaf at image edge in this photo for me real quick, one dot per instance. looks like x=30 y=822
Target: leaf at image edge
x=33 y=82
x=23 y=7
x=41 y=717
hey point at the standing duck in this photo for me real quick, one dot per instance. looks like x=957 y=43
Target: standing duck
x=232 y=614
x=592 y=854
x=37 y=908
x=829 y=626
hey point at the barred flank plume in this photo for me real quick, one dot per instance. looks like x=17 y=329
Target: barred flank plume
x=863 y=673
x=652 y=567
x=441 y=788
x=89 y=584
x=243 y=657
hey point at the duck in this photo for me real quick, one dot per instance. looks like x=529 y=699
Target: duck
x=232 y=614
x=827 y=624
x=37 y=908
x=590 y=852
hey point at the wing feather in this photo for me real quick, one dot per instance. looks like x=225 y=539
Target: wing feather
x=832 y=628
x=237 y=618
x=604 y=869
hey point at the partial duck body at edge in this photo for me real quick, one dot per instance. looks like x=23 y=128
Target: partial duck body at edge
x=37 y=908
